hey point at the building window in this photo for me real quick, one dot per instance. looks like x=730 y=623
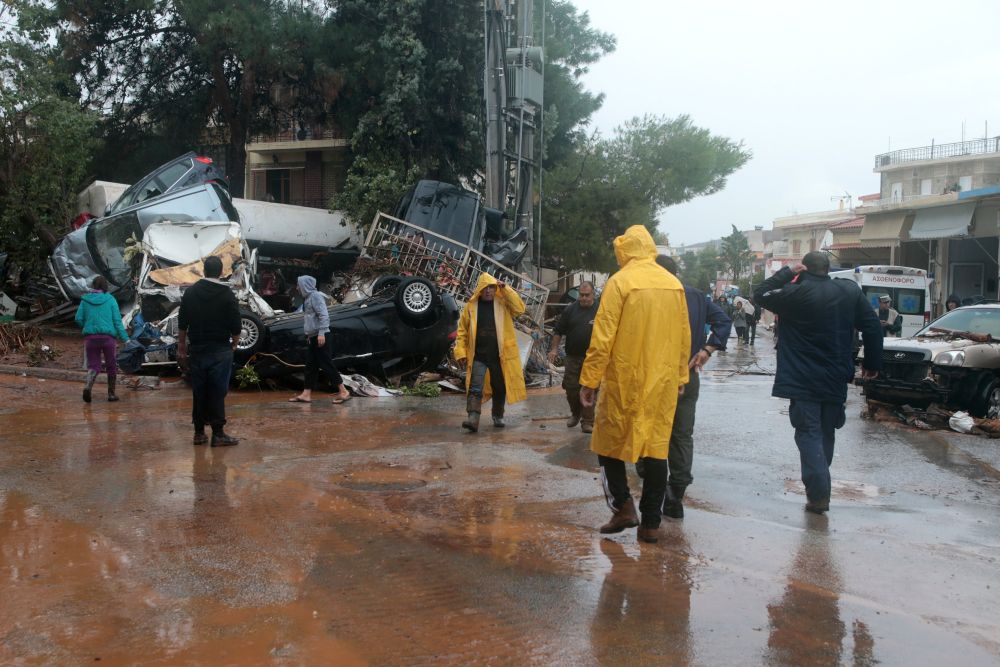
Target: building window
x=797 y=247
x=278 y=186
x=925 y=187
x=896 y=194
x=965 y=183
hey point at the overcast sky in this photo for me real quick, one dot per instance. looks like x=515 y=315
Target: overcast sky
x=815 y=90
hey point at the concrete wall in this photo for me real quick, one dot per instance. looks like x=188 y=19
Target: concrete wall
x=984 y=171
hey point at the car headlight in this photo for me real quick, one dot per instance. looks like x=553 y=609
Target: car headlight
x=954 y=358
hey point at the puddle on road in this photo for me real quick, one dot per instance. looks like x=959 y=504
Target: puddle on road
x=841 y=489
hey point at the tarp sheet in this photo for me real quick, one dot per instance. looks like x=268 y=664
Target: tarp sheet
x=943 y=222
x=229 y=251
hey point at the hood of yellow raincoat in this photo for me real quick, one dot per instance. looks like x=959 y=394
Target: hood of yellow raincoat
x=485 y=280
x=635 y=243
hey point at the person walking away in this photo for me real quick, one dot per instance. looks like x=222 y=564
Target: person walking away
x=740 y=322
x=702 y=313
x=209 y=330
x=815 y=361
x=892 y=321
x=638 y=356
x=319 y=355
x=752 y=320
x=575 y=326
x=486 y=349
x=101 y=321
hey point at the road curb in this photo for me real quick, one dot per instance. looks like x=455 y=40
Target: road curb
x=50 y=373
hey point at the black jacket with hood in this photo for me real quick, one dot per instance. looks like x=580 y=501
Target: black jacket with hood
x=818 y=318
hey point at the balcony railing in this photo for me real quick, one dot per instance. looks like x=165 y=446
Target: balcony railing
x=938 y=152
x=307 y=133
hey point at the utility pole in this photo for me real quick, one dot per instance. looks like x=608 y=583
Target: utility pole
x=513 y=99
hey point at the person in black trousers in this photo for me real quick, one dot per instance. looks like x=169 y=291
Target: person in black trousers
x=320 y=356
x=209 y=323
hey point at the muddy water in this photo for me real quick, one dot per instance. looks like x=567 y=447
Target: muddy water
x=378 y=533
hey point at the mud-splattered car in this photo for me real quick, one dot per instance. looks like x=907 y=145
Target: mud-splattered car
x=955 y=361
x=405 y=327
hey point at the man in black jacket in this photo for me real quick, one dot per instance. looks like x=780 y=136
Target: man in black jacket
x=209 y=323
x=815 y=359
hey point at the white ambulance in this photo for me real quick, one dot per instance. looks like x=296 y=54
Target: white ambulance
x=909 y=289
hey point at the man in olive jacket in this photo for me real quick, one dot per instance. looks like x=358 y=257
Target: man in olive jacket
x=816 y=359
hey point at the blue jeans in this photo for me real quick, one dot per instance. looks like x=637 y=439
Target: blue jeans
x=497 y=385
x=815 y=424
x=210 y=367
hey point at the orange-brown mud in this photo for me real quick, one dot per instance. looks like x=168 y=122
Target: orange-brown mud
x=378 y=533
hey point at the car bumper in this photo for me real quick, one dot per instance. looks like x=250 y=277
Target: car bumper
x=900 y=392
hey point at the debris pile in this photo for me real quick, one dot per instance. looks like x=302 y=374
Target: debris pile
x=933 y=418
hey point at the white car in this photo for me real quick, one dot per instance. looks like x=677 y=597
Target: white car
x=955 y=361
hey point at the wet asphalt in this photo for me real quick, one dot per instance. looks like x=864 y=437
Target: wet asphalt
x=379 y=533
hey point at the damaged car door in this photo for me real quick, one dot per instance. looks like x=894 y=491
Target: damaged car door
x=99 y=247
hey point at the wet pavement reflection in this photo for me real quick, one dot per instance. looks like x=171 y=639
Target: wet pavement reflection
x=379 y=533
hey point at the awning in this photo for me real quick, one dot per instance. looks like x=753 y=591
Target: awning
x=884 y=231
x=943 y=222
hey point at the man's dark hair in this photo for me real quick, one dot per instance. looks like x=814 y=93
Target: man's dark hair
x=100 y=284
x=668 y=263
x=817 y=262
x=213 y=267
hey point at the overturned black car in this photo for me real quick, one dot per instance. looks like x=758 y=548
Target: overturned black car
x=405 y=327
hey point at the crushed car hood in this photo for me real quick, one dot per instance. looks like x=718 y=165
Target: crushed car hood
x=184 y=242
x=930 y=345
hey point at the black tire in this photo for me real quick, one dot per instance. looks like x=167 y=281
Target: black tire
x=386 y=283
x=417 y=301
x=987 y=401
x=251 y=334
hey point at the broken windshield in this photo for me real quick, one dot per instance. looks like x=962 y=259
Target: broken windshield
x=107 y=239
x=966 y=320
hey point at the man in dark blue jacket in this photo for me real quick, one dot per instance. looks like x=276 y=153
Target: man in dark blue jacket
x=680 y=456
x=815 y=359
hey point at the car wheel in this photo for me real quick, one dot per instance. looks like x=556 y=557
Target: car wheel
x=987 y=404
x=251 y=333
x=386 y=283
x=416 y=300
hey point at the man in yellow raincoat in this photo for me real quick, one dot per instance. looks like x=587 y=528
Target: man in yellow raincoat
x=638 y=356
x=487 y=350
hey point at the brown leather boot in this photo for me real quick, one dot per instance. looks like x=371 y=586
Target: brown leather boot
x=648 y=534
x=624 y=518
x=473 y=405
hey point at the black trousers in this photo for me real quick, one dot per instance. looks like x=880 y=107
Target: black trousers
x=321 y=358
x=654 y=486
x=209 y=370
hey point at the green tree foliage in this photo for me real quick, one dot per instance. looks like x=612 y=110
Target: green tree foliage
x=413 y=92
x=736 y=256
x=701 y=269
x=610 y=184
x=45 y=147
x=162 y=71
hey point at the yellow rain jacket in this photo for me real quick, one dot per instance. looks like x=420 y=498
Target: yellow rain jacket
x=507 y=305
x=639 y=349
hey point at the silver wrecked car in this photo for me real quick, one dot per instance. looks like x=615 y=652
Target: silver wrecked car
x=955 y=361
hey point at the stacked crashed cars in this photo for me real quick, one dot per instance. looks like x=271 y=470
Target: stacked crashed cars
x=955 y=361
x=405 y=327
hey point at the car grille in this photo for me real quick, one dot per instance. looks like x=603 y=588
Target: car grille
x=906 y=372
x=901 y=357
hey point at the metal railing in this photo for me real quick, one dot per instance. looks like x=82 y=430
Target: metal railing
x=307 y=133
x=452 y=266
x=982 y=146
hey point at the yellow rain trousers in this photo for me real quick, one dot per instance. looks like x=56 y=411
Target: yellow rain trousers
x=638 y=353
x=507 y=305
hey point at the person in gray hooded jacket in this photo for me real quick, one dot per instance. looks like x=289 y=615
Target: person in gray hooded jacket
x=317 y=325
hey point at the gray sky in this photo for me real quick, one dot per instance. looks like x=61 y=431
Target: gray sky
x=815 y=90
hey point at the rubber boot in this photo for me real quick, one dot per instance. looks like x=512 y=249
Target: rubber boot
x=89 y=386
x=624 y=518
x=112 y=381
x=498 y=421
x=672 y=505
x=587 y=417
x=473 y=405
x=573 y=398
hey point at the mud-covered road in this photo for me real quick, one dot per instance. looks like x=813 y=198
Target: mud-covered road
x=379 y=533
